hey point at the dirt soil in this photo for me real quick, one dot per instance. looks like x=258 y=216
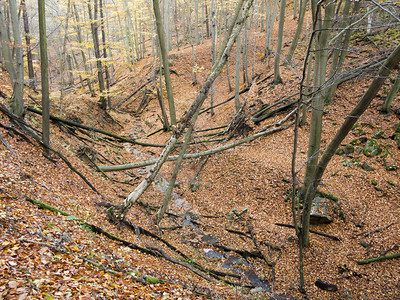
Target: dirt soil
x=224 y=220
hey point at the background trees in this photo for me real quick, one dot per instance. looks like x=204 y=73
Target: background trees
x=102 y=40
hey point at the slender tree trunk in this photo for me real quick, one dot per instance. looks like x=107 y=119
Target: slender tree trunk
x=164 y=56
x=103 y=38
x=299 y=29
x=387 y=105
x=17 y=105
x=44 y=77
x=95 y=35
x=213 y=50
x=31 y=72
x=237 y=74
x=340 y=51
x=196 y=22
x=391 y=62
x=277 y=74
x=80 y=41
x=270 y=16
x=321 y=59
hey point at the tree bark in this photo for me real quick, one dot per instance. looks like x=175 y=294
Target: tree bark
x=164 y=56
x=277 y=74
x=189 y=117
x=44 y=76
x=96 y=44
x=391 y=62
x=31 y=72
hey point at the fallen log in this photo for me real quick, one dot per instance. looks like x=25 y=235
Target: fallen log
x=379 y=258
x=264 y=116
x=131 y=95
x=110 y=134
x=194 y=155
x=332 y=237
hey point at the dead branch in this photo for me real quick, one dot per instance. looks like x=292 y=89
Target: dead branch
x=224 y=102
x=368 y=233
x=58 y=249
x=7 y=145
x=133 y=94
x=379 y=258
x=332 y=237
x=113 y=135
x=195 y=155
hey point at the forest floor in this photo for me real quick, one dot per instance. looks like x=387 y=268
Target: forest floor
x=224 y=220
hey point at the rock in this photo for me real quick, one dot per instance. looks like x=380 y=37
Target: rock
x=363 y=140
x=210 y=253
x=319 y=210
x=210 y=239
x=372 y=148
x=397 y=127
x=378 y=134
x=367 y=167
x=397 y=139
x=347 y=163
x=256 y=290
x=365 y=244
x=348 y=149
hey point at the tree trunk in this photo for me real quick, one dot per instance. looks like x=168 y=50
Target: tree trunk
x=196 y=22
x=270 y=12
x=31 y=72
x=277 y=74
x=189 y=119
x=44 y=77
x=80 y=41
x=387 y=105
x=391 y=62
x=299 y=29
x=103 y=38
x=164 y=56
x=94 y=29
x=237 y=74
x=17 y=105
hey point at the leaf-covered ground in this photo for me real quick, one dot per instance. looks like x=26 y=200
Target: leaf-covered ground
x=224 y=220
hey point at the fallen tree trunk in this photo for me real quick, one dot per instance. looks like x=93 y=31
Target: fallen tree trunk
x=110 y=134
x=193 y=155
x=379 y=258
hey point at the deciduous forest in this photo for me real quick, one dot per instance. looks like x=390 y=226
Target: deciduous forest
x=205 y=149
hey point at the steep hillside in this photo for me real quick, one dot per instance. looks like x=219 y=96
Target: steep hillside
x=220 y=239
